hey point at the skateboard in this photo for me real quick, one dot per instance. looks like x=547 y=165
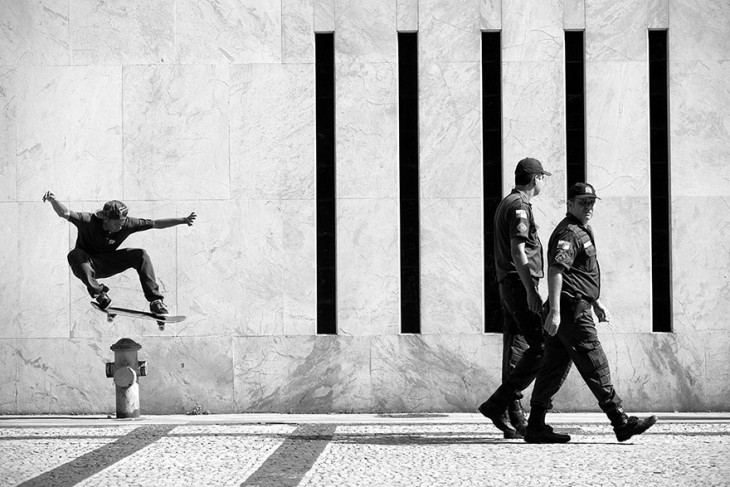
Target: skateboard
x=112 y=312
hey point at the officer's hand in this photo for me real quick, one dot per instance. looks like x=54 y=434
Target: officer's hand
x=534 y=301
x=190 y=219
x=601 y=312
x=48 y=196
x=552 y=322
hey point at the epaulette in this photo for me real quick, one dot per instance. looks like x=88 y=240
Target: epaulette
x=576 y=229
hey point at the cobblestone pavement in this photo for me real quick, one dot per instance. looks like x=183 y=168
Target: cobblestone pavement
x=355 y=450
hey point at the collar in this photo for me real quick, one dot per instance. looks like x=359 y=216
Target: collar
x=575 y=221
x=523 y=196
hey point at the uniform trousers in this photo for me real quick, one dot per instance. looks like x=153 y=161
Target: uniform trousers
x=575 y=342
x=523 y=342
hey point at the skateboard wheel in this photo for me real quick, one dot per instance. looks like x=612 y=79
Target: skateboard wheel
x=109 y=319
x=161 y=325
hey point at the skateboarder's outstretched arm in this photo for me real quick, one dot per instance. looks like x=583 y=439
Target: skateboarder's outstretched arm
x=58 y=207
x=171 y=222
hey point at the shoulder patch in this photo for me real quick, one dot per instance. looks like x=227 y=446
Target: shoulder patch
x=522 y=227
x=563 y=245
x=521 y=214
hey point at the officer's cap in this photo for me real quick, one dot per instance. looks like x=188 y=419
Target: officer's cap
x=582 y=190
x=528 y=165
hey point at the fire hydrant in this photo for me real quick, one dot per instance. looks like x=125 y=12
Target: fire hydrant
x=125 y=370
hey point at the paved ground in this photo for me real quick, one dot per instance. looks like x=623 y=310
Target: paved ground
x=355 y=450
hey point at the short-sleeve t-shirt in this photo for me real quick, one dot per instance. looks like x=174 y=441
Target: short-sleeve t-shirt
x=92 y=237
x=513 y=219
x=573 y=248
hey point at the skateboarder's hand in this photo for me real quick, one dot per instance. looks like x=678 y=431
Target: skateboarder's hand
x=48 y=196
x=190 y=219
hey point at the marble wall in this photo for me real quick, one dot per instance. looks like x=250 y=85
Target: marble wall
x=183 y=105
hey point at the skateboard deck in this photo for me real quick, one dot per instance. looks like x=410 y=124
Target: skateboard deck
x=112 y=312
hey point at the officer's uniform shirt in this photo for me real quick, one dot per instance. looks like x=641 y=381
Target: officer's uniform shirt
x=92 y=237
x=513 y=219
x=573 y=248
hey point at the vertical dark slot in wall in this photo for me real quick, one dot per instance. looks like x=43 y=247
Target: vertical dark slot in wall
x=661 y=275
x=575 y=138
x=410 y=259
x=492 y=170
x=326 y=216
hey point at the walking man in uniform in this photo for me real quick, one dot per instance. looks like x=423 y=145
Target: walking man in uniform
x=519 y=266
x=96 y=254
x=574 y=288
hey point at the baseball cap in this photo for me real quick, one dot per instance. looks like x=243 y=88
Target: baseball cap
x=114 y=210
x=529 y=165
x=582 y=190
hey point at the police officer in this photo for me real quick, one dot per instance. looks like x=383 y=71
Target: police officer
x=574 y=289
x=518 y=262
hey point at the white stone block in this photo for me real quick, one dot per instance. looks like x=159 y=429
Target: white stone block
x=176 y=121
x=367 y=130
x=8 y=134
x=34 y=33
x=228 y=31
x=533 y=31
x=297 y=28
x=272 y=131
x=533 y=112
x=491 y=11
x=427 y=373
x=122 y=32
x=574 y=17
x=187 y=372
x=368 y=272
x=699 y=105
x=698 y=30
x=452 y=266
x=700 y=263
x=616 y=31
x=450 y=130
x=69 y=132
x=302 y=374
x=407 y=15
x=658 y=14
x=617 y=128
x=366 y=31
x=324 y=16
x=448 y=34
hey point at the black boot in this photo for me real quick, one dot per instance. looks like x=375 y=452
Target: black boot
x=627 y=426
x=498 y=414
x=538 y=432
x=517 y=416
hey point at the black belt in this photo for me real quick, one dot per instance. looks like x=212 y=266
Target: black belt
x=578 y=297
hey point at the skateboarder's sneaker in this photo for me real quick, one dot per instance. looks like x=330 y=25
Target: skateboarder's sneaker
x=158 y=307
x=103 y=300
x=633 y=426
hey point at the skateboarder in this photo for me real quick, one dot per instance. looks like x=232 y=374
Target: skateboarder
x=96 y=254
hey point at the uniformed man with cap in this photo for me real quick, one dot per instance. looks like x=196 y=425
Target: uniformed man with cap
x=574 y=291
x=519 y=266
x=97 y=254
